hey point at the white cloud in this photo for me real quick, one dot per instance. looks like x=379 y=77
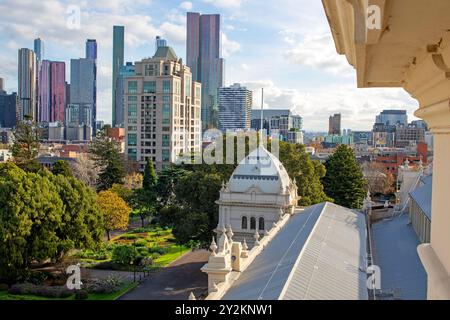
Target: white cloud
x=229 y=46
x=173 y=32
x=186 y=5
x=225 y=3
x=316 y=51
x=245 y=67
x=357 y=106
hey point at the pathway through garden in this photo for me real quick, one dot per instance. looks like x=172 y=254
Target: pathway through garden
x=175 y=281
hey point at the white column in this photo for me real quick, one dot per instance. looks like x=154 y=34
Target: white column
x=436 y=255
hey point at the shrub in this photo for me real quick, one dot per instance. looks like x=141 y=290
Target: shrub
x=4 y=287
x=40 y=290
x=160 y=250
x=38 y=277
x=141 y=243
x=129 y=236
x=124 y=255
x=147 y=262
x=109 y=285
x=81 y=295
x=155 y=255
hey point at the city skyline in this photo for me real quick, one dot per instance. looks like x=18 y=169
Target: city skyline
x=298 y=68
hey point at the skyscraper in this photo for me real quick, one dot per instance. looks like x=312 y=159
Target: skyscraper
x=235 y=106
x=118 y=53
x=203 y=56
x=27 y=75
x=39 y=49
x=57 y=91
x=91 y=49
x=162 y=110
x=125 y=71
x=83 y=93
x=44 y=92
x=334 y=124
x=8 y=106
x=91 y=54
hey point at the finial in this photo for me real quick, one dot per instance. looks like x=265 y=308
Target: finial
x=229 y=233
x=192 y=296
x=213 y=247
x=256 y=236
x=244 y=245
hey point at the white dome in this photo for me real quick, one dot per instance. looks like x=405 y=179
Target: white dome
x=262 y=170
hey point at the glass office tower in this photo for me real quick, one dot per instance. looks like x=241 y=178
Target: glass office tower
x=118 y=60
x=204 y=57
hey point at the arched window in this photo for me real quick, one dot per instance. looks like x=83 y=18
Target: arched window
x=252 y=223
x=261 y=224
x=244 y=223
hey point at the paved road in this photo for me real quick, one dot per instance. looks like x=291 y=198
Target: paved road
x=175 y=281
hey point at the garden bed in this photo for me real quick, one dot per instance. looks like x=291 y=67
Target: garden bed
x=148 y=248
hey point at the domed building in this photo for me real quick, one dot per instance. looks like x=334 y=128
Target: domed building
x=258 y=194
x=268 y=248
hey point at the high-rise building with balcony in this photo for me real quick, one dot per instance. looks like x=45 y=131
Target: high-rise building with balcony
x=162 y=110
x=27 y=78
x=204 y=57
x=117 y=63
x=235 y=106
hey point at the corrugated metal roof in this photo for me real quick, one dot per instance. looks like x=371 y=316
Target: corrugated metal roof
x=395 y=252
x=266 y=275
x=317 y=255
x=422 y=195
x=332 y=264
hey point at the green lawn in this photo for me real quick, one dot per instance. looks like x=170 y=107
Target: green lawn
x=4 y=295
x=168 y=258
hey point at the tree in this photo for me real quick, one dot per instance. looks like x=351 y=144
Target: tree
x=344 y=181
x=305 y=171
x=167 y=180
x=107 y=158
x=62 y=167
x=85 y=170
x=31 y=212
x=82 y=221
x=196 y=194
x=150 y=179
x=143 y=203
x=25 y=147
x=115 y=211
x=378 y=181
x=133 y=181
x=42 y=217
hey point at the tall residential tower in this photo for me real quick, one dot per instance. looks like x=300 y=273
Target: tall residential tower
x=27 y=76
x=162 y=110
x=235 y=106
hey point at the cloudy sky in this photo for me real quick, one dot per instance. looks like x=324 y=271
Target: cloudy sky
x=284 y=46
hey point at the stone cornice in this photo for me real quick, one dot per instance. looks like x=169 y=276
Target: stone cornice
x=251 y=204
